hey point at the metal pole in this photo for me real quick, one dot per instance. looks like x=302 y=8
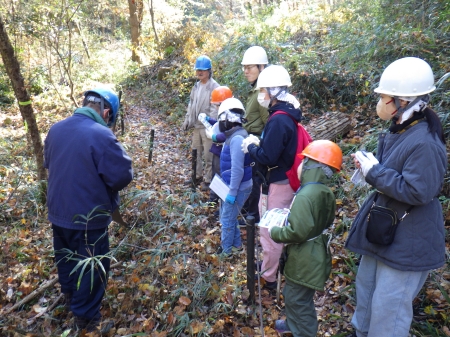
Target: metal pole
x=121 y=114
x=251 y=258
x=194 y=169
x=150 y=151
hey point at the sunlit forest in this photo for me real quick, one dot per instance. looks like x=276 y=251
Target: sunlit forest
x=165 y=279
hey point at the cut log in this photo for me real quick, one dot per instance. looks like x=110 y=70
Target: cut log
x=163 y=71
x=331 y=126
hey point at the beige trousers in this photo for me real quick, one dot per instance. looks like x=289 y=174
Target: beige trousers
x=202 y=144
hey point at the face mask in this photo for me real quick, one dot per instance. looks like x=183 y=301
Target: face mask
x=223 y=126
x=385 y=109
x=262 y=101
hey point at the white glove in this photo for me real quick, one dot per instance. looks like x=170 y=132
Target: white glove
x=245 y=144
x=209 y=133
x=253 y=140
x=367 y=160
x=202 y=117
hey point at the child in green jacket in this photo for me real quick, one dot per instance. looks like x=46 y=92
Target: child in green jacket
x=308 y=263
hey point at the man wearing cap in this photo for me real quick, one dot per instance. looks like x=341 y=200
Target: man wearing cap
x=200 y=102
x=87 y=168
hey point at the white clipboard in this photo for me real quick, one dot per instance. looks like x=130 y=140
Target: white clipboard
x=219 y=187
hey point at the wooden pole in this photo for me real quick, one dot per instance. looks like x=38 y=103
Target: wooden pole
x=150 y=151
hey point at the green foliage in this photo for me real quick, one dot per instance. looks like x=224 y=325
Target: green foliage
x=6 y=93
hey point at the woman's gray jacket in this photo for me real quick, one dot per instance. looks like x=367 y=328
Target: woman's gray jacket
x=411 y=172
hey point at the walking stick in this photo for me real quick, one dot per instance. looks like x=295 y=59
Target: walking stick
x=251 y=258
x=194 y=168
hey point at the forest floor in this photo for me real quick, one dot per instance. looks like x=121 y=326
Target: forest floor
x=166 y=279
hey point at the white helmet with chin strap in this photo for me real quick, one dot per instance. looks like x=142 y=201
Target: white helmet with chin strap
x=410 y=79
x=231 y=110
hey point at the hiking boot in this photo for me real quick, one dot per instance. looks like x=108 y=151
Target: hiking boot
x=281 y=326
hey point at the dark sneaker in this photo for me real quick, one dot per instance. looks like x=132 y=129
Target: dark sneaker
x=270 y=285
x=92 y=327
x=237 y=250
x=281 y=326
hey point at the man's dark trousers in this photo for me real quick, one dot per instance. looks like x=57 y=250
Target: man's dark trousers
x=88 y=294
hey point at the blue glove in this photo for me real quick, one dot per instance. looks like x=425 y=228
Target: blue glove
x=214 y=138
x=230 y=199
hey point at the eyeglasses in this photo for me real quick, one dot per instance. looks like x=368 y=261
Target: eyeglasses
x=248 y=67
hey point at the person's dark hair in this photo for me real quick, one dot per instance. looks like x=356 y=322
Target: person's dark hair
x=434 y=124
x=96 y=102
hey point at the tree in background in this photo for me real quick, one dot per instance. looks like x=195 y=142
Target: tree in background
x=136 y=15
x=12 y=67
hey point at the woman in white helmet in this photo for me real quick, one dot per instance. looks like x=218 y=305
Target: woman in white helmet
x=253 y=63
x=236 y=171
x=275 y=155
x=408 y=174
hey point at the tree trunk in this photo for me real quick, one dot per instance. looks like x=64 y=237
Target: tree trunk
x=136 y=14
x=152 y=16
x=12 y=67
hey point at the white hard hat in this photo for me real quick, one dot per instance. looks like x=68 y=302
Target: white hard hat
x=255 y=55
x=230 y=103
x=226 y=106
x=409 y=76
x=274 y=76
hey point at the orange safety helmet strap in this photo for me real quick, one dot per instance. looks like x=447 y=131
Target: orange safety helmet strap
x=220 y=94
x=325 y=152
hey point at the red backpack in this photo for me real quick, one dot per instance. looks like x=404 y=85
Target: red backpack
x=303 y=139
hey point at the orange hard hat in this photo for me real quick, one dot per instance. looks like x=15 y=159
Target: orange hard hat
x=325 y=152
x=220 y=94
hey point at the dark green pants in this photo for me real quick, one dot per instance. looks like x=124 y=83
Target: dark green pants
x=300 y=310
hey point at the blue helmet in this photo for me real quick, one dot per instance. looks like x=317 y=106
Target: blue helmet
x=110 y=97
x=203 y=62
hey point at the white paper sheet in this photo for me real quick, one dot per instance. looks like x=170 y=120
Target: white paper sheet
x=276 y=216
x=219 y=187
x=358 y=178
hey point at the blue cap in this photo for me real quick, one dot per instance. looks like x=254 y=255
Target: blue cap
x=203 y=63
x=109 y=96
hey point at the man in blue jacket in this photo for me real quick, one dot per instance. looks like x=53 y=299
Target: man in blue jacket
x=87 y=167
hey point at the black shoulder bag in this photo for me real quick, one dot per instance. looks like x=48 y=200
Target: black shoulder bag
x=382 y=223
